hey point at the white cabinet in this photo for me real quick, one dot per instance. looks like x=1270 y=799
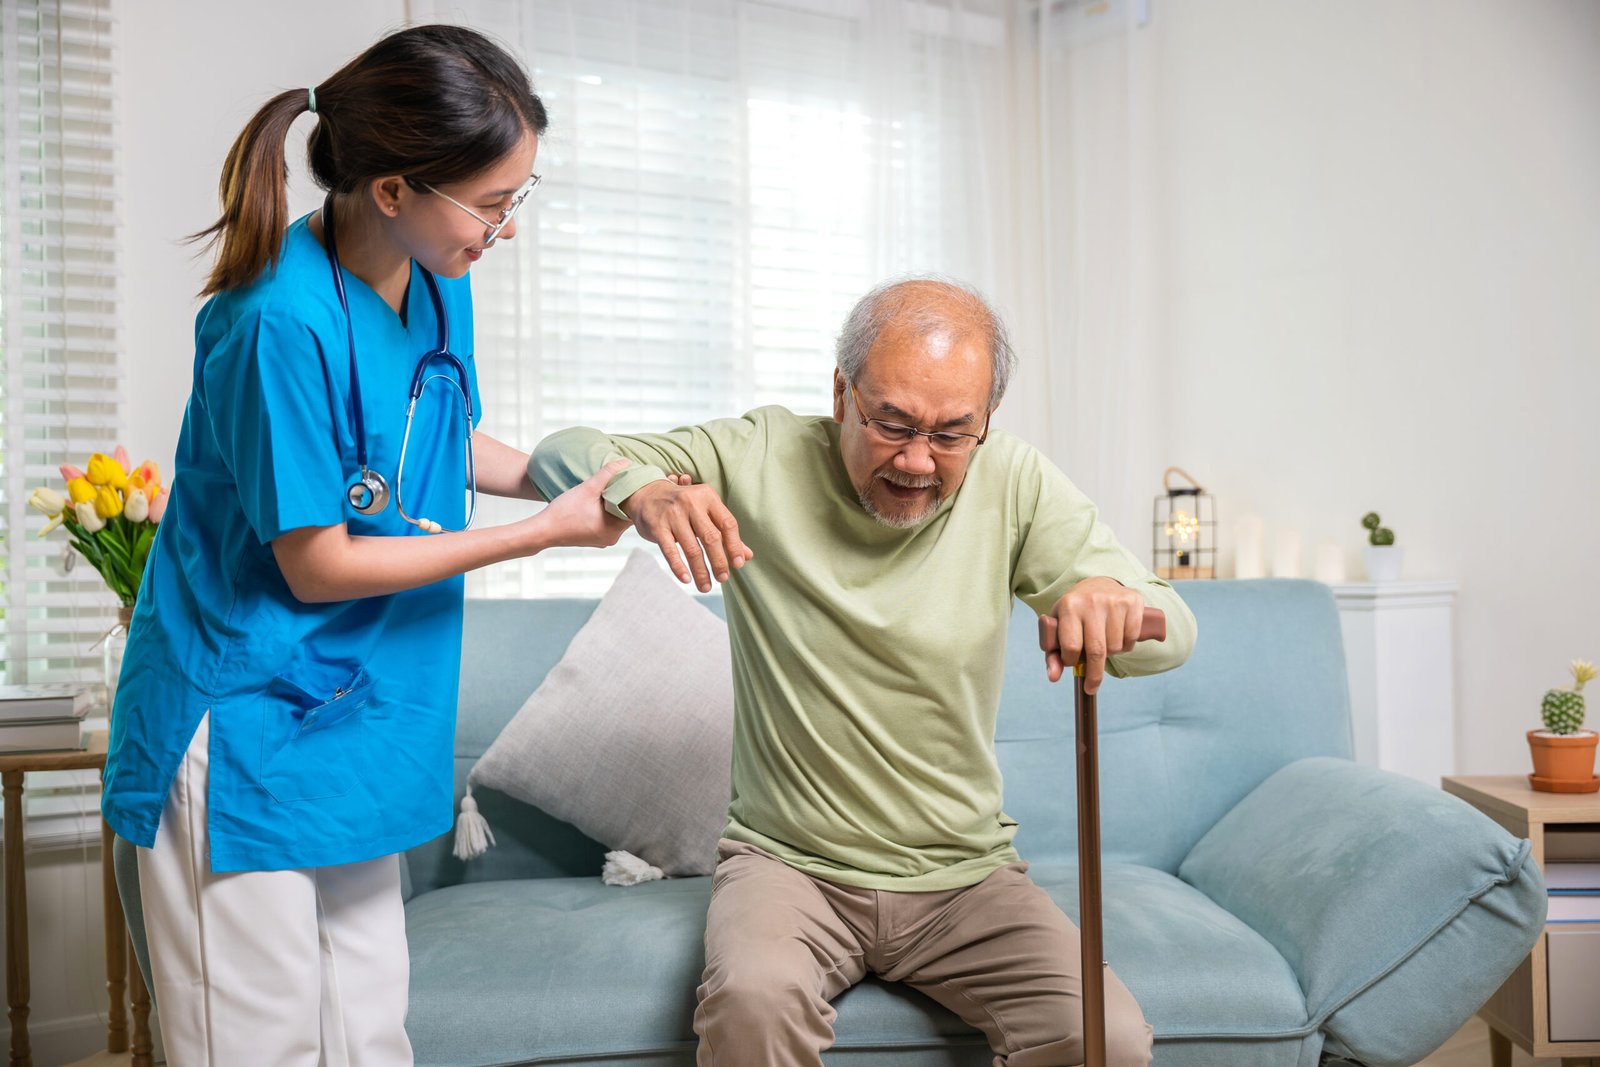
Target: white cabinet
x=1398 y=641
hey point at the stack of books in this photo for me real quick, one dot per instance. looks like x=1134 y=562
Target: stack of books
x=1572 y=939
x=1574 y=892
x=42 y=717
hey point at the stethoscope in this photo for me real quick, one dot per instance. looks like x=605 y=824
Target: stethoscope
x=369 y=493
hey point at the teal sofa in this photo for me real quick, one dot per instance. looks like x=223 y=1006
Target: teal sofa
x=1268 y=901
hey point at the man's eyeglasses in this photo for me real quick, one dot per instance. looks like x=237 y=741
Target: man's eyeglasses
x=492 y=228
x=946 y=442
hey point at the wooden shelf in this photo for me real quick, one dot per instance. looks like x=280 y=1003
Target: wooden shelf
x=1520 y=1009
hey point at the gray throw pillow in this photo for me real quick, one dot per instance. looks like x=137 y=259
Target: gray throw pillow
x=629 y=737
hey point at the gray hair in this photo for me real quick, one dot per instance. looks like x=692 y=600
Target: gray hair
x=926 y=304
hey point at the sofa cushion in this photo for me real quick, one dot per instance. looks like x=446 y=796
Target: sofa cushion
x=628 y=737
x=1382 y=891
x=560 y=970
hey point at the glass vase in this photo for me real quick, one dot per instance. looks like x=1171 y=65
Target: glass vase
x=111 y=649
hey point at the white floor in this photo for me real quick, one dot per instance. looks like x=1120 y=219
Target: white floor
x=1468 y=1048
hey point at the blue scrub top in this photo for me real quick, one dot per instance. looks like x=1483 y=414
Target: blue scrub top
x=332 y=725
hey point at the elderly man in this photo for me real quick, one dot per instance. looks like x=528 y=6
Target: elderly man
x=868 y=617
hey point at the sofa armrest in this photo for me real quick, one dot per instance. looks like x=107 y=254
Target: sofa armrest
x=1400 y=907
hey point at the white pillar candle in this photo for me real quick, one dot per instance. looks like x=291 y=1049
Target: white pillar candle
x=1247 y=554
x=1286 y=555
x=1330 y=563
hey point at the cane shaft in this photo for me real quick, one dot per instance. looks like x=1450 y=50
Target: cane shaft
x=1089 y=905
x=1086 y=728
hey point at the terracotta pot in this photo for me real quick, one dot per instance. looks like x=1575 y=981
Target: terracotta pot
x=1563 y=763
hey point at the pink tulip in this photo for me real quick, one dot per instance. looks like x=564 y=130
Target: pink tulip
x=151 y=475
x=69 y=472
x=158 y=506
x=121 y=456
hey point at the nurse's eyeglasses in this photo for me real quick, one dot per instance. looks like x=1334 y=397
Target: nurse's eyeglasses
x=492 y=229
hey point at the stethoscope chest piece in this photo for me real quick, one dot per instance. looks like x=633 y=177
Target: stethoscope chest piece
x=369 y=493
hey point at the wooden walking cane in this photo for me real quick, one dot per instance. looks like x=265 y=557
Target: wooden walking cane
x=1154 y=628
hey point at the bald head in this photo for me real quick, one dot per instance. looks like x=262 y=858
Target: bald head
x=926 y=308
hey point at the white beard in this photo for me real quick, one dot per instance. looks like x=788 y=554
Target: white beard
x=908 y=520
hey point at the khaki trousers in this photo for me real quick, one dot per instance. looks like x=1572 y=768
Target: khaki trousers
x=780 y=945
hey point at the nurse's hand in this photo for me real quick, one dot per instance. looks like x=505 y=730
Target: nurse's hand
x=579 y=518
x=689 y=521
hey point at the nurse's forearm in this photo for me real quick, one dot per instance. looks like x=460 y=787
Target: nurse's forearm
x=501 y=469
x=322 y=564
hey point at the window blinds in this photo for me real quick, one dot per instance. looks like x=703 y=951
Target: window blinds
x=60 y=364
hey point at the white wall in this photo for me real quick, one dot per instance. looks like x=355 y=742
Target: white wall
x=1378 y=237
x=192 y=75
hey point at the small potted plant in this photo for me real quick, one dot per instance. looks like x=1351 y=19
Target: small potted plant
x=1383 y=555
x=1563 y=752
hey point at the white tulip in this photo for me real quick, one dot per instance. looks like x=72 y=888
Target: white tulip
x=137 y=509
x=48 y=501
x=88 y=517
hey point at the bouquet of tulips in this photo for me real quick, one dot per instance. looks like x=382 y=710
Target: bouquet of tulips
x=110 y=511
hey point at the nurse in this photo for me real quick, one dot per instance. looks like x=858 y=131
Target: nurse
x=286 y=713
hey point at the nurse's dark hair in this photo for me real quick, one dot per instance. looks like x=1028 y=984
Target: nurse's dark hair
x=436 y=104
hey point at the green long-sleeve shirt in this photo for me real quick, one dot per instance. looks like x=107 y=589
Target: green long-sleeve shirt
x=868 y=660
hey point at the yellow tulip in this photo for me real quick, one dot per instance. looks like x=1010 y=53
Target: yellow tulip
x=107 y=502
x=103 y=470
x=80 y=490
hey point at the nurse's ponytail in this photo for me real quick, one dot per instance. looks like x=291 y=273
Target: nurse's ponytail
x=254 y=194
x=434 y=104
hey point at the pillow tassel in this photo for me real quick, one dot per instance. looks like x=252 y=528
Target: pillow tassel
x=624 y=868
x=473 y=836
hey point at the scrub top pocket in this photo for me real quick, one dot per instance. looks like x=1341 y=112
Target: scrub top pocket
x=307 y=739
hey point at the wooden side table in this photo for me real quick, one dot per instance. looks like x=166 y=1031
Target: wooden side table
x=1519 y=1010
x=121 y=978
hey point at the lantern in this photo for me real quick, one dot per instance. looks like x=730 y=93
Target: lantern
x=1184 y=533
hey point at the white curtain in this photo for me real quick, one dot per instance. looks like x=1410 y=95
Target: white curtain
x=1084 y=89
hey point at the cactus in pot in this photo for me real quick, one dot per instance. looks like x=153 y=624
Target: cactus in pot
x=1563 y=752
x=1378 y=534
x=1383 y=555
x=1562 y=709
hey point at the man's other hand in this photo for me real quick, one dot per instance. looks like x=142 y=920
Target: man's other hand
x=1096 y=618
x=689 y=522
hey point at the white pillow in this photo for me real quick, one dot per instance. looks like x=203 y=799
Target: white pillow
x=629 y=737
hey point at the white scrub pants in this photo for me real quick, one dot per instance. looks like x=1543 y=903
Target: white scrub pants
x=304 y=967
